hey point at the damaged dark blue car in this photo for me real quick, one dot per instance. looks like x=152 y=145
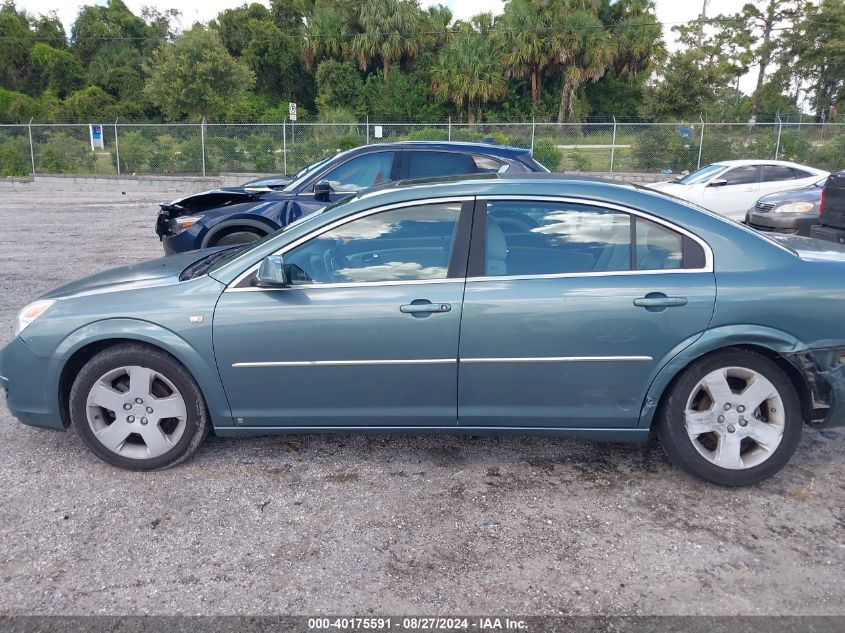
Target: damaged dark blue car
x=238 y=215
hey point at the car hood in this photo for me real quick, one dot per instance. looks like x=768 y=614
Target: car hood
x=156 y=272
x=804 y=194
x=666 y=185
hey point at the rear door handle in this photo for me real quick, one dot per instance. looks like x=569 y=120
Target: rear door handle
x=660 y=301
x=424 y=307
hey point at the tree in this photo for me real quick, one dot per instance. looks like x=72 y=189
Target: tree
x=338 y=85
x=57 y=70
x=235 y=26
x=817 y=53
x=195 y=76
x=468 y=71
x=755 y=31
x=329 y=30
x=90 y=104
x=582 y=49
x=388 y=33
x=17 y=40
x=527 y=42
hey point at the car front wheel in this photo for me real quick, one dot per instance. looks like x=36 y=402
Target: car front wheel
x=138 y=408
x=732 y=418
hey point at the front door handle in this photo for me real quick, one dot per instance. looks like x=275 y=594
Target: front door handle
x=659 y=300
x=423 y=307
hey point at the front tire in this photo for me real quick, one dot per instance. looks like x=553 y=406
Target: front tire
x=138 y=408
x=733 y=418
x=244 y=236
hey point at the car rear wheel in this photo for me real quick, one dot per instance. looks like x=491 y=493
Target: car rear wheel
x=237 y=237
x=733 y=418
x=138 y=408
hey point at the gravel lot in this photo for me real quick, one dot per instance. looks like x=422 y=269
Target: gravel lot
x=383 y=524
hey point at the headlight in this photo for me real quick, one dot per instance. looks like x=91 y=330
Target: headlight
x=32 y=312
x=187 y=220
x=795 y=207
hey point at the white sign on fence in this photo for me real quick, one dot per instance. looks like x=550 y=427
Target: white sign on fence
x=96 y=134
x=292 y=111
x=377 y=131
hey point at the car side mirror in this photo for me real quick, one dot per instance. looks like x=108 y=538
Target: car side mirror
x=719 y=182
x=323 y=191
x=271 y=272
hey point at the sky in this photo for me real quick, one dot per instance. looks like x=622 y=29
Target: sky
x=669 y=12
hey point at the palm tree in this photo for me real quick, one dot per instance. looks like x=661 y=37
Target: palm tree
x=389 y=32
x=637 y=35
x=527 y=44
x=434 y=27
x=328 y=33
x=468 y=71
x=582 y=49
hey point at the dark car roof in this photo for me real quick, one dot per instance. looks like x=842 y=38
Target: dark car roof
x=485 y=148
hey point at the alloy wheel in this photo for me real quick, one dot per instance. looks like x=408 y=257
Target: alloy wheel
x=136 y=412
x=735 y=418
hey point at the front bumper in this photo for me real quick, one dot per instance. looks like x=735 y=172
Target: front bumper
x=181 y=242
x=30 y=394
x=788 y=224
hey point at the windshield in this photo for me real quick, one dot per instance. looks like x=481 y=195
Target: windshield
x=701 y=175
x=307 y=172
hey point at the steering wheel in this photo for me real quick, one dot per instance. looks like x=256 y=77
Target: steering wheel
x=334 y=260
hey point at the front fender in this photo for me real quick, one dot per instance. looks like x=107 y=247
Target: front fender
x=203 y=371
x=712 y=340
x=262 y=224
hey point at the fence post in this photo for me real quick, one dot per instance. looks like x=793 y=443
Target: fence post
x=450 y=127
x=31 y=146
x=116 y=148
x=613 y=146
x=533 y=126
x=700 y=143
x=202 y=142
x=285 y=142
x=780 y=129
x=368 y=129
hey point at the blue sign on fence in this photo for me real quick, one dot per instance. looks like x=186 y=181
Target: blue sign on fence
x=96 y=133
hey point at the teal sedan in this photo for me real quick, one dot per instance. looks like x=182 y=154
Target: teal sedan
x=523 y=305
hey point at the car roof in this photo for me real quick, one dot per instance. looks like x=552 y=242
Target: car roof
x=485 y=148
x=763 y=161
x=491 y=184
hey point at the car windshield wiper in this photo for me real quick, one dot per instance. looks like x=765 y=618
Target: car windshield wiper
x=201 y=266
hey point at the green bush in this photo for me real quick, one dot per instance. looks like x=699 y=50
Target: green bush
x=64 y=154
x=580 y=161
x=14 y=156
x=830 y=155
x=262 y=148
x=426 y=134
x=135 y=152
x=547 y=154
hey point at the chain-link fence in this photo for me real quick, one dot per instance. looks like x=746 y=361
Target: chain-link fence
x=272 y=148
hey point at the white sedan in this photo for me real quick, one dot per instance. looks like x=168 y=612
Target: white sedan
x=732 y=187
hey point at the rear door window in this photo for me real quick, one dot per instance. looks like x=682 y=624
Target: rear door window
x=433 y=164
x=776 y=173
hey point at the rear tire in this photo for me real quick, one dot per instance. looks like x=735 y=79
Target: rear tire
x=138 y=408
x=732 y=418
x=237 y=237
